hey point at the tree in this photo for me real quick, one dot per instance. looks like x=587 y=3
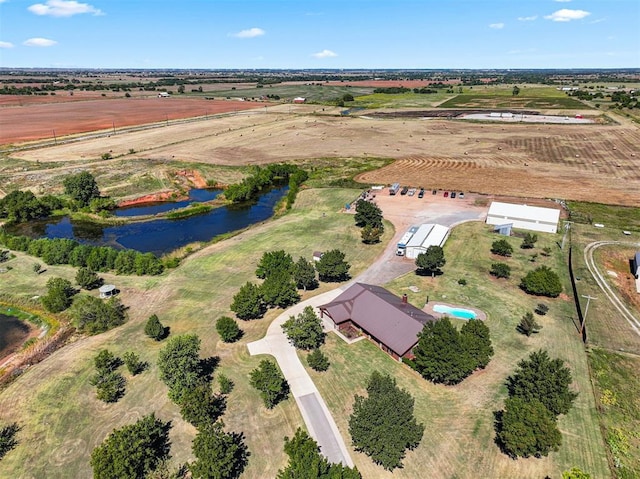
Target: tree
x=332 y=267
x=200 y=407
x=304 y=274
x=543 y=379
x=248 y=302
x=88 y=279
x=59 y=295
x=516 y=90
x=528 y=324
x=8 y=439
x=383 y=425
x=37 y=267
x=527 y=428
x=226 y=384
x=542 y=281
x=181 y=89
x=132 y=451
x=347 y=97
x=110 y=385
x=179 y=365
x=542 y=309
x=92 y=315
x=278 y=290
x=367 y=214
x=371 y=234
x=273 y=262
x=219 y=455
x=500 y=270
x=476 y=340
x=306 y=462
x=318 y=361
x=228 y=329
x=133 y=363
x=272 y=385
x=440 y=355
x=305 y=330
x=105 y=361
x=501 y=247
x=81 y=187
x=575 y=473
x=21 y=206
x=431 y=261
x=529 y=241
x=154 y=328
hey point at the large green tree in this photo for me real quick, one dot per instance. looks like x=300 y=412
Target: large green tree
x=528 y=428
x=272 y=385
x=431 y=261
x=93 y=315
x=304 y=274
x=278 y=290
x=81 y=187
x=441 y=355
x=22 y=206
x=304 y=330
x=306 y=462
x=228 y=329
x=248 y=302
x=180 y=366
x=543 y=379
x=219 y=454
x=59 y=295
x=88 y=279
x=476 y=339
x=200 y=406
x=368 y=214
x=274 y=262
x=542 y=281
x=382 y=424
x=132 y=451
x=332 y=266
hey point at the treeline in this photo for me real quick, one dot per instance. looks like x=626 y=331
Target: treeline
x=96 y=258
x=392 y=90
x=266 y=177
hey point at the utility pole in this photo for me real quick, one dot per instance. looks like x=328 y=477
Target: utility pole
x=54 y=137
x=113 y=124
x=586 y=310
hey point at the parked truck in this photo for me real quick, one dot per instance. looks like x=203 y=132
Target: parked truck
x=393 y=189
x=402 y=244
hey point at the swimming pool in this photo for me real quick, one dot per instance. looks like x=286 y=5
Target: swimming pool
x=456 y=312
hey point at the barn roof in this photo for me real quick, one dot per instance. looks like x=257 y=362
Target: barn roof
x=524 y=212
x=380 y=313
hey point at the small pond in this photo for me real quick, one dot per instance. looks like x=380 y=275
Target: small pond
x=195 y=196
x=13 y=333
x=162 y=235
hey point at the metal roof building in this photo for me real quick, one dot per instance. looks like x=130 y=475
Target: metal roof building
x=524 y=217
x=427 y=235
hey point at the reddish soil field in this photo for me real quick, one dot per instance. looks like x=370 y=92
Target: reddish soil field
x=38 y=121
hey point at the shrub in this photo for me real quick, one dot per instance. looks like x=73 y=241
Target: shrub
x=462 y=282
x=92 y=315
x=88 y=279
x=528 y=325
x=59 y=295
x=501 y=247
x=8 y=439
x=226 y=384
x=542 y=282
x=110 y=386
x=272 y=385
x=529 y=241
x=133 y=363
x=542 y=309
x=500 y=270
x=228 y=329
x=154 y=328
x=318 y=361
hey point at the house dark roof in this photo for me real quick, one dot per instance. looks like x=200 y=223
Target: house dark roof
x=381 y=314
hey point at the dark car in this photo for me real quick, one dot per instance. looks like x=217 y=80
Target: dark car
x=434 y=192
x=453 y=194
x=421 y=194
x=404 y=191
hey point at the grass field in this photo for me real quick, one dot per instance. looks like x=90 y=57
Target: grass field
x=314 y=93
x=401 y=100
x=63 y=421
x=614 y=217
x=459 y=435
x=523 y=100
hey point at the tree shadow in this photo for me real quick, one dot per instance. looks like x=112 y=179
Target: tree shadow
x=427 y=272
x=208 y=367
x=165 y=332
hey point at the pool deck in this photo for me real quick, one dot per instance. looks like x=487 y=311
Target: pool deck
x=428 y=308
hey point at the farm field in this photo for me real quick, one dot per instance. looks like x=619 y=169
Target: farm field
x=63 y=421
x=479 y=100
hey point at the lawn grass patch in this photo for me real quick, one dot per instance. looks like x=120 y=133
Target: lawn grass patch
x=400 y=100
x=617 y=217
x=534 y=98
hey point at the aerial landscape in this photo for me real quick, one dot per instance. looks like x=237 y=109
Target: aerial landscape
x=321 y=239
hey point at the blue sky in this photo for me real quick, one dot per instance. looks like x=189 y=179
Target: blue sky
x=320 y=34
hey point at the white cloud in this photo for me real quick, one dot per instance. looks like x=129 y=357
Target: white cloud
x=497 y=26
x=528 y=19
x=6 y=44
x=599 y=20
x=250 y=33
x=63 y=8
x=2 y=1
x=566 y=15
x=39 y=42
x=325 y=54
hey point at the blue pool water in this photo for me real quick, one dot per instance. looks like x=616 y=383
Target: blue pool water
x=456 y=312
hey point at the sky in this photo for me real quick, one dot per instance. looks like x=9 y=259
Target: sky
x=326 y=34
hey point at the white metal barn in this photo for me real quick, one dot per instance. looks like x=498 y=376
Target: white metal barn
x=524 y=217
x=427 y=235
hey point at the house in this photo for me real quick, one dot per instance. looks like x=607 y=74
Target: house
x=636 y=265
x=524 y=217
x=386 y=319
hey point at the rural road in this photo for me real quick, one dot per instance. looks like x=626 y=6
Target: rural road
x=604 y=286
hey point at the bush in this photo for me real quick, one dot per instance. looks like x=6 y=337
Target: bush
x=8 y=439
x=529 y=241
x=226 y=384
x=500 y=270
x=542 y=309
x=92 y=315
x=133 y=363
x=318 y=361
x=110 y=386
x=272 y=385
x=59 y=295
x=154 y=328
x=228 y=329
x=542 y=282
x=501 y=247
x=88 y=279
x=528 y=325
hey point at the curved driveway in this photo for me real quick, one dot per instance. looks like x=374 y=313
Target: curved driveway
x=604 y=286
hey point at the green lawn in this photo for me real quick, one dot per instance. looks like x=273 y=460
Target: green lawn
x=459 y=435
x=313 y=93
x=618 y=217
x=400 y=100
x=523 y=100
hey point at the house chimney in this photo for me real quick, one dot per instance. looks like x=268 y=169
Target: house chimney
x=404 y=298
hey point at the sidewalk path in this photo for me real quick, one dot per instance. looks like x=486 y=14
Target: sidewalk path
x=315 y=413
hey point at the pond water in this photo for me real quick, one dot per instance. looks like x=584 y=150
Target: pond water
x=195 y=196
x=158 y=236
x=13 y=333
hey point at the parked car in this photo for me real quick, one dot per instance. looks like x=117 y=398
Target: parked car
x=421 y=193
x=434 y=192
x=453 y=194
x=404 y=191
x=446 y=194
x=461 y=195
x=412 y=192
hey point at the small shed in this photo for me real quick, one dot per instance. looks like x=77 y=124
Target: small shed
x=503 y=229
x=107 y=290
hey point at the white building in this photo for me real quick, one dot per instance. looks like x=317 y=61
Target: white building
x=427 y=235
x=524 y=217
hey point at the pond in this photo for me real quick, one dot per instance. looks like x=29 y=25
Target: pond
x=159 y=236
x=13 y=333
x=195 y=196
